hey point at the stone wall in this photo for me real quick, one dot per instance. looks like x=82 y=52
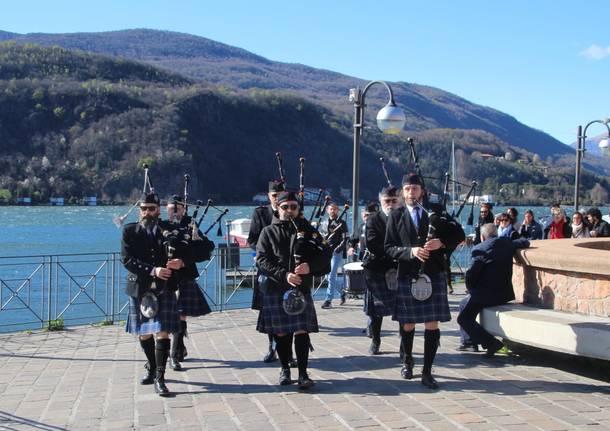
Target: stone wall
x=570 y=275
x=577 y=292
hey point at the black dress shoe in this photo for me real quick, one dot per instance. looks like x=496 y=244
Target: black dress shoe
x=429 y=381
x=326 y=305
x=342 y=299
x=149 y=377
x=175 y=364
x=305 y=382
x=285 y=377
x=292 y=363
x=271 y=356
x=374 y=348
x=406 y=372
x=160 y=387
x=491 y=350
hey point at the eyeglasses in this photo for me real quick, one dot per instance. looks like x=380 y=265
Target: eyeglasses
x=287 y=207
x=390 y=200
x=148 y=208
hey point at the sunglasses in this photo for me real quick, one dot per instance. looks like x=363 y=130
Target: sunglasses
x=503 y=219
x=390 y=201
x=148 y=208
x=287 y=207
x=274 y=195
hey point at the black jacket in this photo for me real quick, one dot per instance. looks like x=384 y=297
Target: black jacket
x=531 y=231
x=401 y=236
x=275 y=255
x=489 y=278
x=197 y=251
x=602 y=229
x=358 y=240
x=140 y=256
x=376 y=259
x=261 y=217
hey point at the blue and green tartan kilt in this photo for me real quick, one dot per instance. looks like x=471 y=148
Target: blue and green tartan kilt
x=378 y=299
x=166 y=320
x=274 y=320
x=191 y=301
x=435 y=308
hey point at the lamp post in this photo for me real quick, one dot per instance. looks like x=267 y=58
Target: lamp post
x=580 y=151
x=390 y=120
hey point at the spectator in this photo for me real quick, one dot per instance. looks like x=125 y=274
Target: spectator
x=485 y=216
x=513 y=214
x=598 y=228
x=559 y=226
x=579 y=228
x=530 y=229
x=489 y=281
x=506 y=229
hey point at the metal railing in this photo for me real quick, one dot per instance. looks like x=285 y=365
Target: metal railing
x=43 y=291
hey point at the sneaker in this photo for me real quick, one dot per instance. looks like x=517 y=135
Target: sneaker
x=464 y=347
x=271 y=356
x=491 y=350
x=327 y=305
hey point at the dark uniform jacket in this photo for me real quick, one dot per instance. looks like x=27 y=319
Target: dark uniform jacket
x=275 y=254
x=198 y=251
x=401 y=236
x=358 y=240
x=489 y=278
x=338 y=241
x=376 y=259
x=140 y=255
x=261 y=217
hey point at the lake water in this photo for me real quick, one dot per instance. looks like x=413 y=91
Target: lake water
x=37 y=285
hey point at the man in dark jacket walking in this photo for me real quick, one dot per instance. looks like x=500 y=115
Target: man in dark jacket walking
x=489 y=281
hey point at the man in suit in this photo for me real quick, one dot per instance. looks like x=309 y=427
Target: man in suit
x=489 y=281
x=410 y=242
x=148 y=282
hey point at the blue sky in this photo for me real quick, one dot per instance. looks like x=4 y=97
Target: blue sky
x=545 y=62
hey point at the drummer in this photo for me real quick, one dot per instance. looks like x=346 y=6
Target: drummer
x=380 y=297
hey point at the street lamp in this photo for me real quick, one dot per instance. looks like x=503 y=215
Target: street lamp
x=390 y=120
x=580 y=151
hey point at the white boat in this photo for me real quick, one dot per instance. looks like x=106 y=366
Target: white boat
x=238 y=231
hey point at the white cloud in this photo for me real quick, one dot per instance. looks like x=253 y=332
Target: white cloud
x=596 y=52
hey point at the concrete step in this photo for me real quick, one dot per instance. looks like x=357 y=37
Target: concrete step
x=558 y=331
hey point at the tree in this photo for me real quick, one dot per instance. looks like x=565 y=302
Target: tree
x=598 y=194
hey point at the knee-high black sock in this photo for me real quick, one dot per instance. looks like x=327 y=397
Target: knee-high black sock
x=161 y=353
x=148 y=346
x=282 y=346
x=431 y=339
x=376 y=322
x=271 y=340
x=301 y=348
x=183 y=328
x=291 y=337
x=407 y=343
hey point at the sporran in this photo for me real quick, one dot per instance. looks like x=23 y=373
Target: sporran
x=421 y=287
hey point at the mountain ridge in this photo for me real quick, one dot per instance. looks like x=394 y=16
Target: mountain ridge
x=220 y=64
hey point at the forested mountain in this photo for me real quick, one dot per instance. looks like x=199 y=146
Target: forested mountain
x=74 y=124
x=223 y=65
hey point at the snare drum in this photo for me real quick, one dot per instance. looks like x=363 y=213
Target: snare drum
x=354 y=278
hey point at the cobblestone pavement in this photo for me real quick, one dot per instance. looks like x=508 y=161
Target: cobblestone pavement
x=86 y=378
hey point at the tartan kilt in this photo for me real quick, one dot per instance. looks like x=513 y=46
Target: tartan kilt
x=166 y=320
x=435 y=308
x=378 y=299
x=274 y=320
x=191 y=301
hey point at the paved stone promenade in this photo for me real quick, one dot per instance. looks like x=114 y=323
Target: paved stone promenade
x=86 y=379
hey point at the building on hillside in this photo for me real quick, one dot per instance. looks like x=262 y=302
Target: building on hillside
x=24 y=201
x=90 y=201
x=59 y=202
